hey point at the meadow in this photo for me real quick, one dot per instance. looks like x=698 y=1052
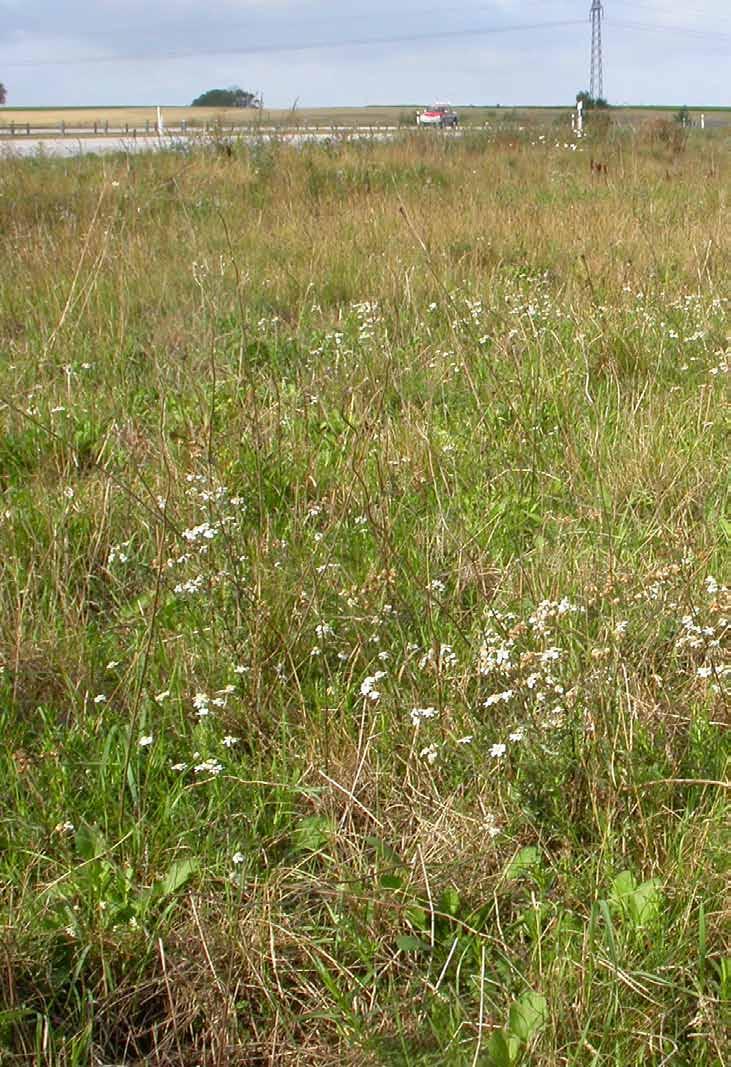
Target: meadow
x=363 y=626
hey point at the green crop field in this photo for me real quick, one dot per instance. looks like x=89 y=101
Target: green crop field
x=363 y=626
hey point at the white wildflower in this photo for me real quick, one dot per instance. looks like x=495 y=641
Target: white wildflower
x=201 y=703
x=209 y=766
x=499 y=698
x=491 y=826
x=550 y=654
x=368 y=686
x=419 y=715
x=203 y=532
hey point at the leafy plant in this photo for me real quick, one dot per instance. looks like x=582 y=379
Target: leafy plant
x=100 y=892
x=528 y=1016
x=638 y=904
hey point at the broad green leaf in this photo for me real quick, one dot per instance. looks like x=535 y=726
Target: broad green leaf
x=639 y=903
x=532 y=919
x=409 y=943
x=645 y=902
x=513 y=1048
x=724 y=979
x=384 y=850
x=503 y=1049
x=624 y=884
x=89 y=842
x=417 y=917
x=178 y=874
x=391 y=881
x=450 y=902
x=312 y=833
x=607 y=916
x=527 y=1015
x=526 y=861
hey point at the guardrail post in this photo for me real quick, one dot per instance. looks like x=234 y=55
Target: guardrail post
x=95 y=128
x=27 y=128
x=184 y=125
x=12 y=129
x=63 y=128
x=126 y=127
x=106 y=125
x=147 y=125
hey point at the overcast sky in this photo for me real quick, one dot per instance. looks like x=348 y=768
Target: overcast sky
x=321 y=52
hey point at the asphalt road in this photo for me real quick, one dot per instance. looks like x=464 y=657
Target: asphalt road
x=66 y=147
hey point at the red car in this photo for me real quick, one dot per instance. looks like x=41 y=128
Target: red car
x=438 y=115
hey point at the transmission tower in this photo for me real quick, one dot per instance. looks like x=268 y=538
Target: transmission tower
x=596 y=75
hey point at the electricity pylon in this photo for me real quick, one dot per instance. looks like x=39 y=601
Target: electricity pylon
x=596 y=74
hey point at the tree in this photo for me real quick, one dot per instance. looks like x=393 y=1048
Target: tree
x=232 y=97
x=590 y=102
x=3 y=94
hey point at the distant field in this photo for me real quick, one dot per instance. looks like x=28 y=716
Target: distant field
x=173 y=116
x=137 y=117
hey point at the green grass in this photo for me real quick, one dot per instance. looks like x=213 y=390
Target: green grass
x=362 y=617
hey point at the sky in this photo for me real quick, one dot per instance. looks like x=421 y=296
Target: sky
x=324 y=53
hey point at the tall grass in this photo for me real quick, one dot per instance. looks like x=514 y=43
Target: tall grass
x=362 y=613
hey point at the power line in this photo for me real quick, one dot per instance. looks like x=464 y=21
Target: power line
x=403 y=38
x=685 y=30
x=700 y=12
x=265 y=49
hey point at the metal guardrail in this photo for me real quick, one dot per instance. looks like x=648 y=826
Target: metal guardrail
x=182 y=129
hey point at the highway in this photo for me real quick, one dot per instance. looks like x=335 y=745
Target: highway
x=69 y=146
